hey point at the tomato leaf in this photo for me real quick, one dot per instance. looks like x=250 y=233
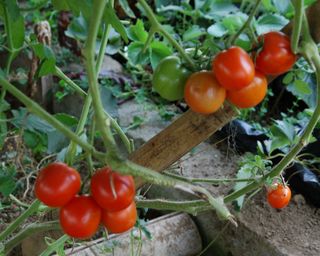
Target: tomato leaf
x=60 y=5
x=158 y=51
x=138 y=32
x=135 y=54
x=125 y=6
x=270 y=22
x=78 y=28
x=7 y=180
x=111 y=18
x=14 y=23
x=194 y=32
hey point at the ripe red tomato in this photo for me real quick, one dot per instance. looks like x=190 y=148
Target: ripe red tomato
x=276 y=56
x=57 y=184
x=80 y=218
x=111 y=190
x=250 y=95
x=203 y=93
x=279 y=197
x=120 y=221
x=233 y=68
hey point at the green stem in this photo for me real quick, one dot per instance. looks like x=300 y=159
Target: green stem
x=297 y=24
x=58 y=72
x=40 y=112
x=192 y=207
x=159 y=28
x=103 y=123
x=151 y=33
x=207 y=180
x=55 y=245
x=18 y=202
x=14 y=225
x=31 y=229
x=232 y=40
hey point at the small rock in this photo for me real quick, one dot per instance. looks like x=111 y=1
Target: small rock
x=299 y=200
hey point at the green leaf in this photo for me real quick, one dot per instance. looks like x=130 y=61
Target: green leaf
x=283 y=128
x=83 y=7
x=234 y=22
x=244 y=42
x=60 y=5
x=194 y=32
x=302 y=87
x=282 y=6
x=243 y=173
x=158 y=51
x=7 y=180
x=3 y=129
x=78 y=28
x=110 y=17
x=23 y=119
x=270 y=22
x=288 y=78
x=46 y=67
x=108 y=101
x=217 y=30
x=125 y=6
x=14 y=23
x=137 y=32
x=135 y=54
x=66 y=119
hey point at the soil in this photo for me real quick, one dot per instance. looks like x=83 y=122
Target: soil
x=294 y=230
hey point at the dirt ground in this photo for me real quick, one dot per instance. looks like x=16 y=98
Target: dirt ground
x=295 y=230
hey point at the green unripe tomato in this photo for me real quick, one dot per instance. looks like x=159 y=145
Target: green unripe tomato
x=169 y=78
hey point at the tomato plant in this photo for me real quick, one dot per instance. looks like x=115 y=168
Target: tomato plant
x=276 y=56
x=279 y=197
x=203 y=93
x=233 y=68
x=111 y=190
x=250 y=95
x=80 y=218
x=169 y=78
x=57 y=184
x=120 y=221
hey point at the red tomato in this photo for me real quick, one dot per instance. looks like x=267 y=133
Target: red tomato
x=120 y=221
x=279 y=197
x=111 y=190
x=203 y=93
x=233 y=68
x=57 y=184
x=275 y=56
x=250 y=95
x=80 y=218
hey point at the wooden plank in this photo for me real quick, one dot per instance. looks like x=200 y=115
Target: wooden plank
x=180 y=137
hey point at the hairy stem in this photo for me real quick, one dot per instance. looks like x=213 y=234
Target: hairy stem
x=14 y=225
x=29 y=230
x=246 y=24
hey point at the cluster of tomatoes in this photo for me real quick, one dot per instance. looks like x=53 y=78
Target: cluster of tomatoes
x=235 y=76
x=111 y=201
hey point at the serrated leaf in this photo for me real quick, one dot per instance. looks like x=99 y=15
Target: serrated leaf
x=138 y=32
x=270 y=22
x=302 y=87
x=135 y=54
x=283 y=128
x=282 y=6
x=243 y=173
x=110 y=17
x=158 y=51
